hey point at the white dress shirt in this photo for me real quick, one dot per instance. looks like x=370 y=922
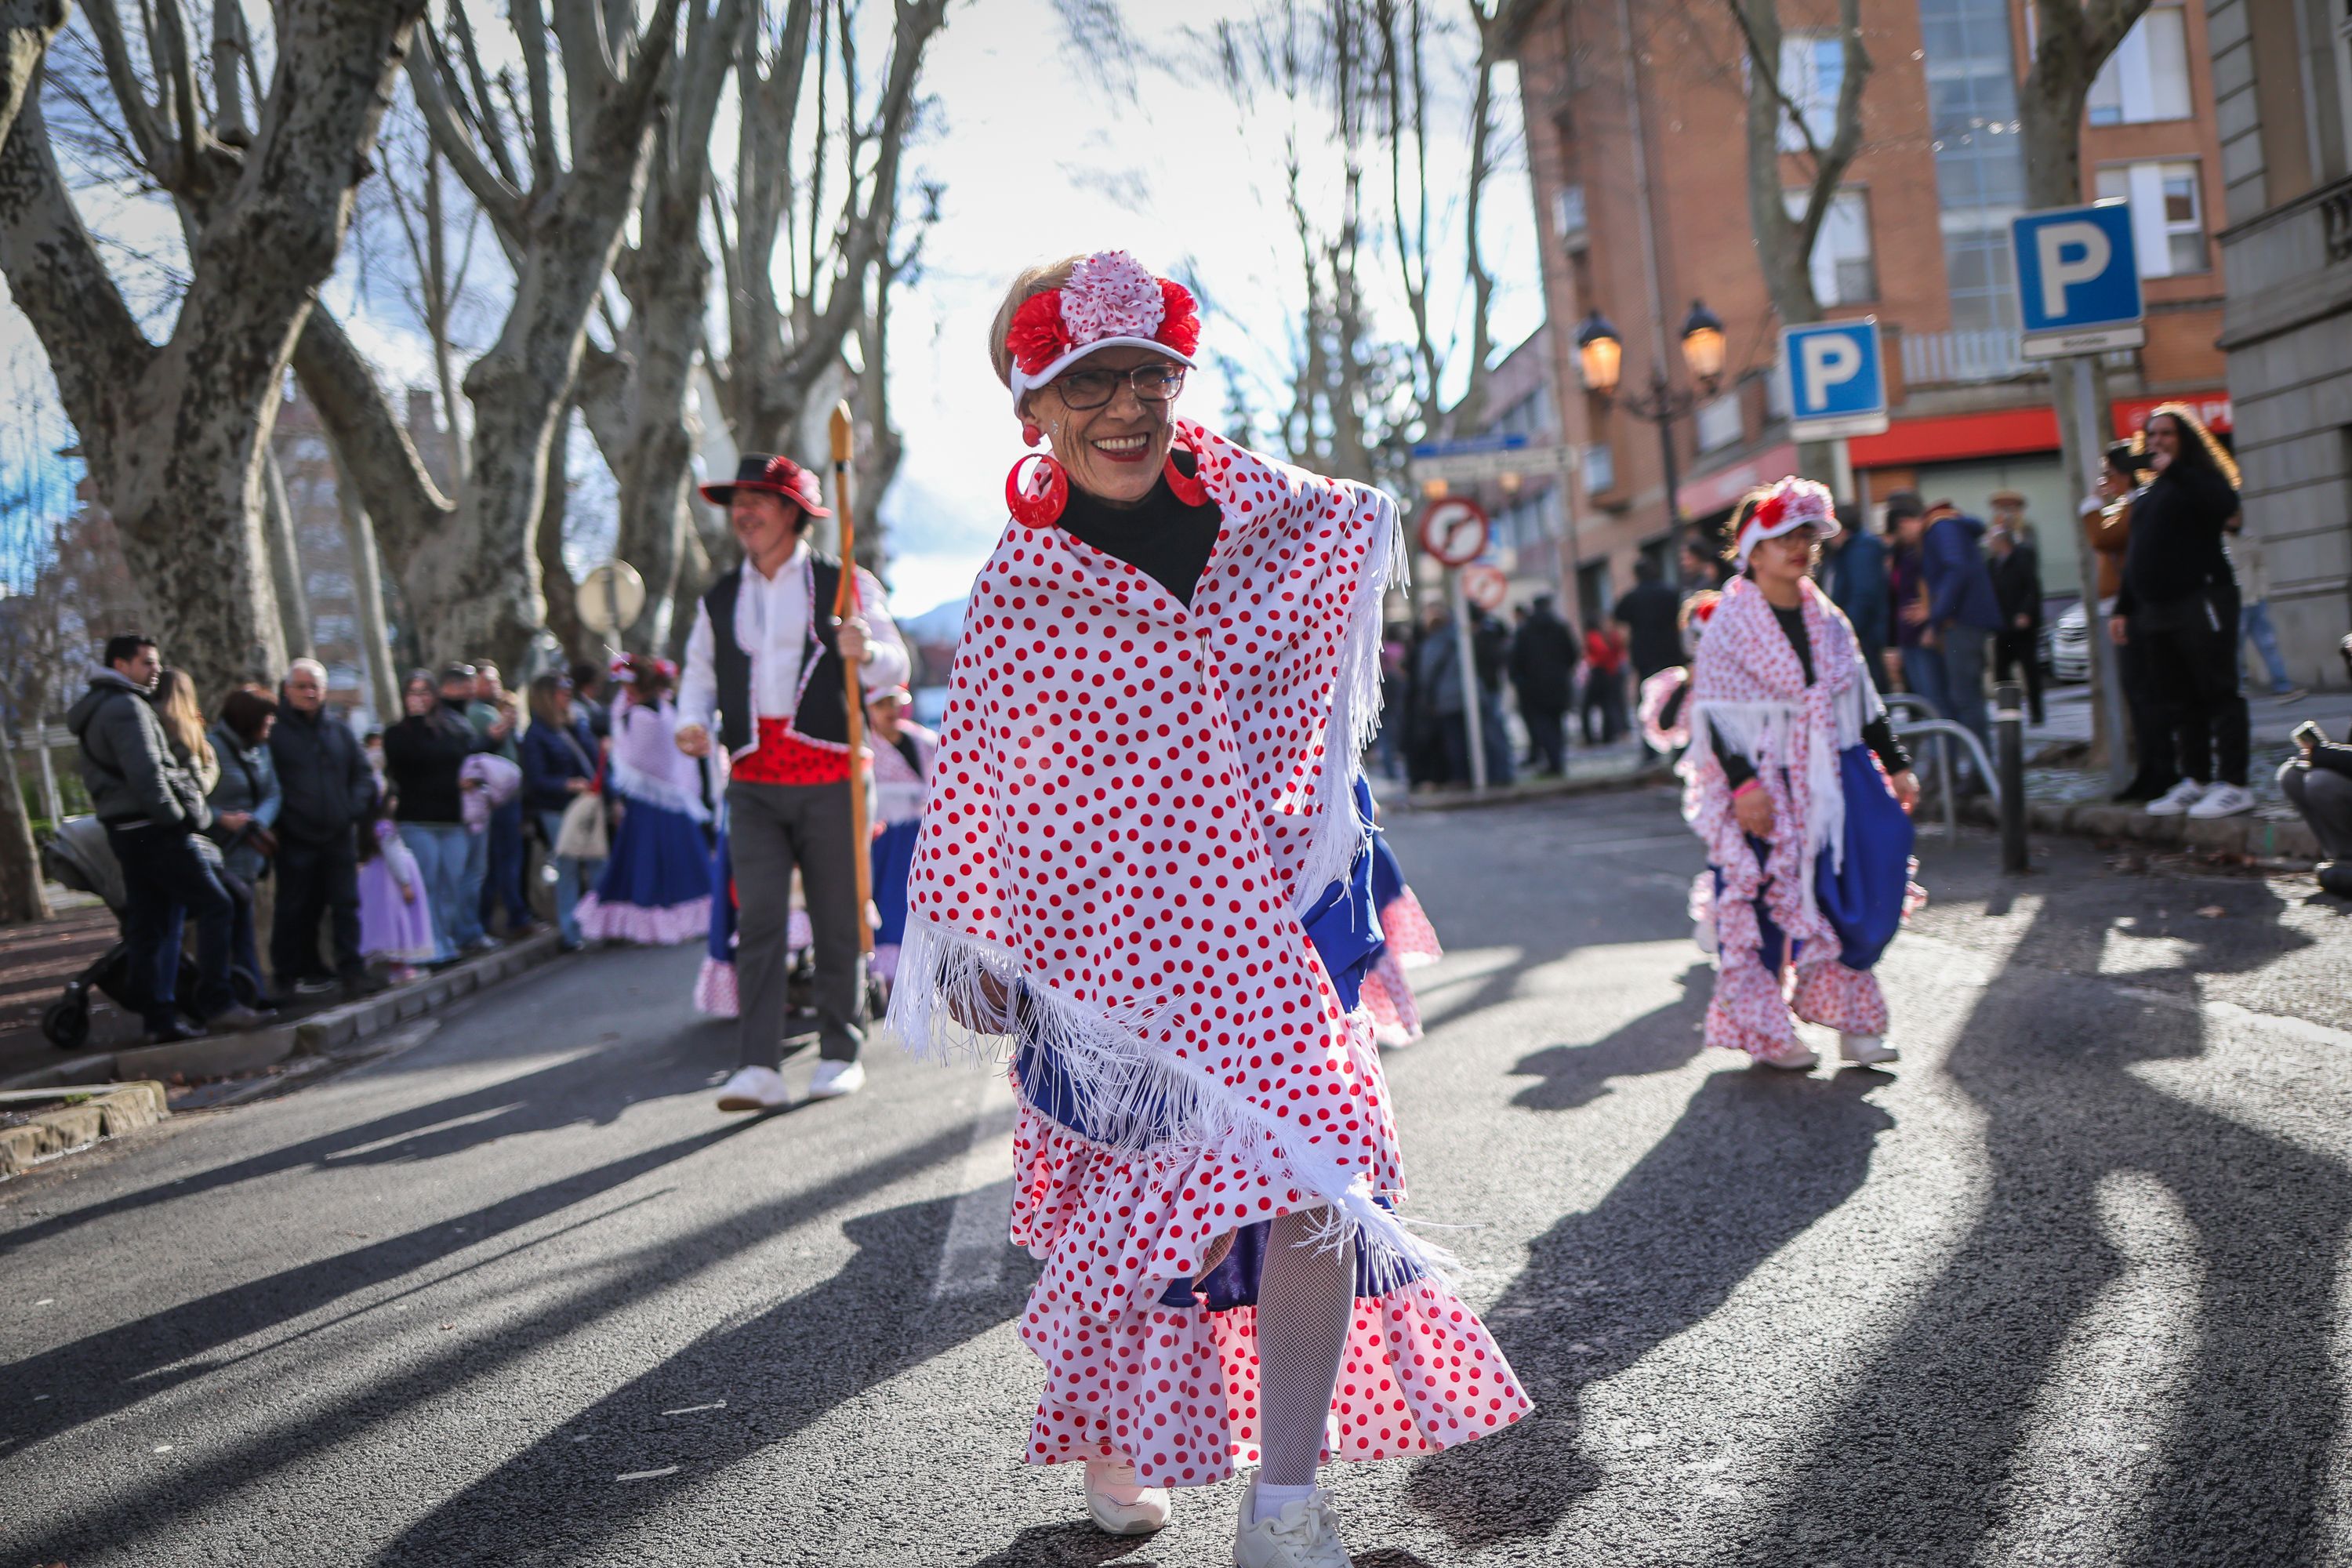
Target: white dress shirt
x=771 y=622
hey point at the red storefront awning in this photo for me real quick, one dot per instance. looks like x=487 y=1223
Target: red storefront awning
x=1956 y=437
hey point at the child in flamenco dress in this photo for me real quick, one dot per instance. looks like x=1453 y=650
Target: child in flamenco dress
x=655 y=885
x=1799 y=788
x=395 y=917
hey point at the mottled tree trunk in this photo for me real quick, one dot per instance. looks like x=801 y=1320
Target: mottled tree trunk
x=21 y=898
x=285 y=562
x=26 y=28
x=175 y=435
x=367 y=590
x=562 y=594
x=655 y=464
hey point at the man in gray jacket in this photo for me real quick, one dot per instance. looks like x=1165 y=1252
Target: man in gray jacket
x=153 y=809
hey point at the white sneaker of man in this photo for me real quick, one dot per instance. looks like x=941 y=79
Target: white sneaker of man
x=1305 y=1534
x=1120 y=1504
x=755 y=1089
x=834 y=1079
x=2224 y=800
x=2176 y=800
x=1865 y=1050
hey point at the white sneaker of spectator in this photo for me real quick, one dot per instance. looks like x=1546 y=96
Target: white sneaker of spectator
x=2224 y=800
x=2176 y=800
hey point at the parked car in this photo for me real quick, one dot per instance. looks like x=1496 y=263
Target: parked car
x=2070 y=645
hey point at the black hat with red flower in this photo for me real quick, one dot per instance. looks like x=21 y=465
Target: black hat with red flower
x=779 y=477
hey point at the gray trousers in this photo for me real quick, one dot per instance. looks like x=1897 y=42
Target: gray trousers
x=2324 y=798
x=771 y=829
x=1964 y=677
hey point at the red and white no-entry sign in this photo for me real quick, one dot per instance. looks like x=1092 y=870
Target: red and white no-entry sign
x=1454 y=531
x=1484 y=586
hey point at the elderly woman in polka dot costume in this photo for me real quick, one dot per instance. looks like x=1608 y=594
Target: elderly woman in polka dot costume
x=1144 y=880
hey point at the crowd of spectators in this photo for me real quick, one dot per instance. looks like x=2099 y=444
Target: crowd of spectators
x=277 y=812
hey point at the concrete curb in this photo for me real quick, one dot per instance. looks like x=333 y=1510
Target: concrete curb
x=49 y=1133
x=317 y=1035
x=2255 y=838
x=1546 y=789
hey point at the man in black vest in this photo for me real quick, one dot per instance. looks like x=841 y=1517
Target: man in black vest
x=764 y=667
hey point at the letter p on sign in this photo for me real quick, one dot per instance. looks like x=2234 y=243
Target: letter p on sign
x=2070 y=253
x=1825 y=362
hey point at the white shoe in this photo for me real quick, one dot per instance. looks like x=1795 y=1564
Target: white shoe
x=755 y=1089
x=2177 y=799
x=1120 y=1506
x=834 y=1079
x=1304 y=1535
x=1792 y=1058
x=1868 y=1050
x=2224 y=800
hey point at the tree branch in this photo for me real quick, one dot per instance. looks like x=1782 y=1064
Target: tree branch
x=530 y=33
x=429 y=71
x=407 y=506
x=156 y=151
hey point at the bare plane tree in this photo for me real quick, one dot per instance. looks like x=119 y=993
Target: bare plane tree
x=26 y=28
x=176 y=432
x=556 y=187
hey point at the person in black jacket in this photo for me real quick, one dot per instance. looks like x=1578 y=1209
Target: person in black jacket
x=2318 y=783
x=1543 y=673
x=326 y=791
x=2017 y=584
x=422 y=755
x=2178 y=607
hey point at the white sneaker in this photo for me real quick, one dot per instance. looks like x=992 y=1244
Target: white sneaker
x=834 y=1079
x=755 y=1089
x=2177 y=799
x=1119 y=1505
x=1868 y=1050
x=1304 y=1535
x=2224 y=800
x=1792 y=1058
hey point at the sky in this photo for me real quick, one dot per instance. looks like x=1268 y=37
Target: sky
x=1037 y=158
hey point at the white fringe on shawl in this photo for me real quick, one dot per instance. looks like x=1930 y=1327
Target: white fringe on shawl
x=941 y=1006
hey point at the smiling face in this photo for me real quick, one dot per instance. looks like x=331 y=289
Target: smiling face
x=1113 y=452
x=766 y=525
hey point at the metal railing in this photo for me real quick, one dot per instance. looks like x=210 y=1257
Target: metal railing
x=1926 y=724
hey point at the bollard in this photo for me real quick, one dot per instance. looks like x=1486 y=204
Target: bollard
x=2010 y=725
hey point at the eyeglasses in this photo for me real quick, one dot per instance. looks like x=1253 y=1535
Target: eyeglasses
x=1084 y=389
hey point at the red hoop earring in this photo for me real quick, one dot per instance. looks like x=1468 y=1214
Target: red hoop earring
x=1189 y=488
x=1043 y=510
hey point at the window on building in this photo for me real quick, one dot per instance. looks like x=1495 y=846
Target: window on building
x=2168 y=216
x=1812 y=69
x=1567 y=212
x=1600 y=469
x=1720 y=423
x=1844 y=270
x=1980 y=157
x=2146 y=78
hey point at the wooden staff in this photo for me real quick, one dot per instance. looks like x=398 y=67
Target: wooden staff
x=844 y=605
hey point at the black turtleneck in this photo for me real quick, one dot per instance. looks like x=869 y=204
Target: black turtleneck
x=1160 y=535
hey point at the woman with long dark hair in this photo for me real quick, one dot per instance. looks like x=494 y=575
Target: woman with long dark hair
x=2177 y=609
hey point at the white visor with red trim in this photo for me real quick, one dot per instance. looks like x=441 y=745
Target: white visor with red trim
x=1790 y=505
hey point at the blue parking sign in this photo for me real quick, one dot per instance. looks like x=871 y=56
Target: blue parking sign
x=2077 y=280
x=1837 y=381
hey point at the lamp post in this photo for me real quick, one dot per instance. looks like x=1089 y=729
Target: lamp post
x=1600 y=353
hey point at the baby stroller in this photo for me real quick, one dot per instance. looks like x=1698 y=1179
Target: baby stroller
x=80 y=857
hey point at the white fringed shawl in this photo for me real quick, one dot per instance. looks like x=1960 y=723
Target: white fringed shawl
x=1133 y=804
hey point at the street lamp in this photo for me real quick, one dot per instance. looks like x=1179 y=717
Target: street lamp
x=1600 y=355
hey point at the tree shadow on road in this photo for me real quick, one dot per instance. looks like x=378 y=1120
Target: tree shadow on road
x=770 y=1378
x=1070 y=1545
x=146 y=1348
x=1755 y=1159
x=1659 y=1041
x=2252 y=1415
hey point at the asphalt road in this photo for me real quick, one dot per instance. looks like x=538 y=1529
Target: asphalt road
x=2067 y=1285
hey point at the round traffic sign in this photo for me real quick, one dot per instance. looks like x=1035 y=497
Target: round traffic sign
x=611 y=599
x=1454 y=531
x=1484 y=586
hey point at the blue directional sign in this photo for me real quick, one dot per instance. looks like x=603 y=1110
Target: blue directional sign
x=1511 y=442
x=1837 y=379
x=2077 y=280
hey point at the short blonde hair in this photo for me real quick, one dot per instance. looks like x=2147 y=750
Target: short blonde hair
x=1042 y=278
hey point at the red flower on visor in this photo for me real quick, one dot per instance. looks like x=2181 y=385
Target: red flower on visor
x=1037 y=337
x=1180 y=319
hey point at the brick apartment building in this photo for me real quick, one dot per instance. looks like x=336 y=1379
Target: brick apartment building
x=1918 y=238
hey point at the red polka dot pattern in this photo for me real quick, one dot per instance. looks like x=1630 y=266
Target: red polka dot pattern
x=1126 y=798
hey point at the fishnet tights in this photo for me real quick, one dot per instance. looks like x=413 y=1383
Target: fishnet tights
x=1306 y=1297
